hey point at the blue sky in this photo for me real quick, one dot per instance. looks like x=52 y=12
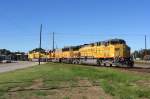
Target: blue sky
x=73 y=21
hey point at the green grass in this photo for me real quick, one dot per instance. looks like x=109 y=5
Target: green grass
x=120 y=85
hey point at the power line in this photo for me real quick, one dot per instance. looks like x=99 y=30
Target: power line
x=84 y=34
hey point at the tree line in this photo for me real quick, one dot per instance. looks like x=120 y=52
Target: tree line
x=21 y=56
x=14 y=55
x=143 y=54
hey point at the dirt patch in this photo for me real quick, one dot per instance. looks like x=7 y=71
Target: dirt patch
x=93 y=92
x=84 y=89
x=38 y=83
x=83 y=82
x=144 y=83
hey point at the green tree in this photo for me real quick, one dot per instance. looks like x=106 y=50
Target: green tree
x=38 y=50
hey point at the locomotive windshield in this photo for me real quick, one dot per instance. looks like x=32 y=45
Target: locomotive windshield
x=116 y=41
x=112 y=41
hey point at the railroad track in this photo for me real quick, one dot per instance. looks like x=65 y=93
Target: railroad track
x=145 y=69
x=137 y=68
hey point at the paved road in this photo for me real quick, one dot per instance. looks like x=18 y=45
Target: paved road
x=16 y=65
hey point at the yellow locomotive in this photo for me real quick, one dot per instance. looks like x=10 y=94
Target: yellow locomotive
x=108 y=53
x=34 y=56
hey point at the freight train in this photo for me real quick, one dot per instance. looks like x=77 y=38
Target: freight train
x=114 y=52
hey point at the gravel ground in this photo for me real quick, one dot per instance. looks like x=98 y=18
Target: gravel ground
x=142 y=65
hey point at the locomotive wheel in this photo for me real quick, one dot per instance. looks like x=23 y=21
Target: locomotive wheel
x=104 y=64
x=98 y=63
x=110 y=65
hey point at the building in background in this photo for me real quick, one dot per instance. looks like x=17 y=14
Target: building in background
x=14 y=56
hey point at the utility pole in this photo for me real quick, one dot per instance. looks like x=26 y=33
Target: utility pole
x=145 y=43
x=40 y=44
x=53 y=44
x=53 y=41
